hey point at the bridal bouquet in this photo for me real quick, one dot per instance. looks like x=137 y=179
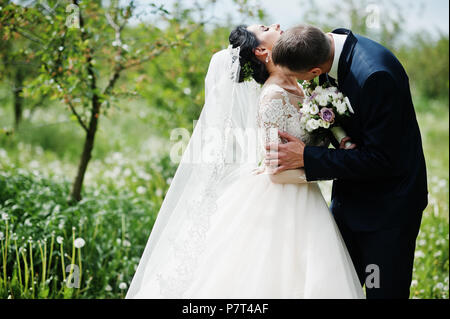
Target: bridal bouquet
x=323 y=108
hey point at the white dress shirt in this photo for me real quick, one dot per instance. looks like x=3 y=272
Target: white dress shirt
x=339 y=40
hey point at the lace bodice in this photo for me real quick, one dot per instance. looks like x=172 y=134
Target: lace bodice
x=279 y=109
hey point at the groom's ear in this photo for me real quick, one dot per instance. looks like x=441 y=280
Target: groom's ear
x=316 y=71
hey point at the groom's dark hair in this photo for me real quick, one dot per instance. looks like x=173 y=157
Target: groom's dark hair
x=302 y=48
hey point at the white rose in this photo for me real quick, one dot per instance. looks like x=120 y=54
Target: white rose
x=334 y=95
x=318 y=90
x=341 y=108
x=312 y=125
x=314 y=109
x=324 y=124
x=322 y=99
x=336 y=103
x=305 y=108
x=309 y=127
x=340 y=96
x=316 y=124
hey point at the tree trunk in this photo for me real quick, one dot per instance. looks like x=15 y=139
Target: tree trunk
x=18 y=99
x=87 y=151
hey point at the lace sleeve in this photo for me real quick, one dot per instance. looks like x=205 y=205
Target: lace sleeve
x=272 y=116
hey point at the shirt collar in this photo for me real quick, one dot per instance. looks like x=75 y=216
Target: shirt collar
x=339 y=40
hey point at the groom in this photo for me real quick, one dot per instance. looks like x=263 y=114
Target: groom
x=380 y=187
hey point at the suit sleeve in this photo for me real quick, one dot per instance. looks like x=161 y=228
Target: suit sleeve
x=381 y=125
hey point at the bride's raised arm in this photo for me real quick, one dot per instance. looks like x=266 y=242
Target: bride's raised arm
x=272 y=116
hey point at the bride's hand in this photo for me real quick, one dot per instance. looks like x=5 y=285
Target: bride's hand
x=345 y=140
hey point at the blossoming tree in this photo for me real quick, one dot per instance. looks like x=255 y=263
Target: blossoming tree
x=82 y=50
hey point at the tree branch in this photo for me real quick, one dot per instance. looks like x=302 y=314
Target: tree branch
x=118 y=41
x=72 y=108
x=162 y=49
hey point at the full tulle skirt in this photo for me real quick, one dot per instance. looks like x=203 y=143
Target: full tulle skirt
x=269 y=241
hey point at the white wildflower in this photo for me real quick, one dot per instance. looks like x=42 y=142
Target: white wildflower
x=437 y=254
x=5 y=216
x=59 y=240
x=123 y=286
x=439 y=286
x=419 y=254
x=159 y=192
x=2 y=236
x=116 y=43
x=127 y=172
x=108 y=288
x=126 y=243
x=141 y=190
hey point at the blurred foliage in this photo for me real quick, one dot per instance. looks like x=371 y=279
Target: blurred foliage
x=426 y=61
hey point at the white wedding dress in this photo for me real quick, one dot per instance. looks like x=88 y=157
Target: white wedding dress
x=268 y=240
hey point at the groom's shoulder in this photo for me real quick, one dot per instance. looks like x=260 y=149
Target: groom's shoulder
x=370 y=58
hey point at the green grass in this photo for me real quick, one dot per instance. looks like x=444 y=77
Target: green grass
x=127 y=178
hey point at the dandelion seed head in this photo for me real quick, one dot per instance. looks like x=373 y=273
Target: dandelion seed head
x=123 y=286
x=79 y=242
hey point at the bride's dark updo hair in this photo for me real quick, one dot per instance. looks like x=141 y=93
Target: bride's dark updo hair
x=247 y=41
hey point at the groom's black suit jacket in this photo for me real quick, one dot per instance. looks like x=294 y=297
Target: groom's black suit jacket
x=382 y=182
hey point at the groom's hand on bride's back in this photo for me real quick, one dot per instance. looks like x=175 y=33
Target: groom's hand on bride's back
x=285 y=156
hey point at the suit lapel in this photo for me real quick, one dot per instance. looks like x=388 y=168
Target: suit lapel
x=346 y=55
x=351 y=125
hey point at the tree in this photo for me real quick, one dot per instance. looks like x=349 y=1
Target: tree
x=82 y=54
x=18 y=64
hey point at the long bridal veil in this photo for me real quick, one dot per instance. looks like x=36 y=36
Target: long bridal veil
x=223 y=146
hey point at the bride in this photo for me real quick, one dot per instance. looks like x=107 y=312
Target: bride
x=228 y=227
